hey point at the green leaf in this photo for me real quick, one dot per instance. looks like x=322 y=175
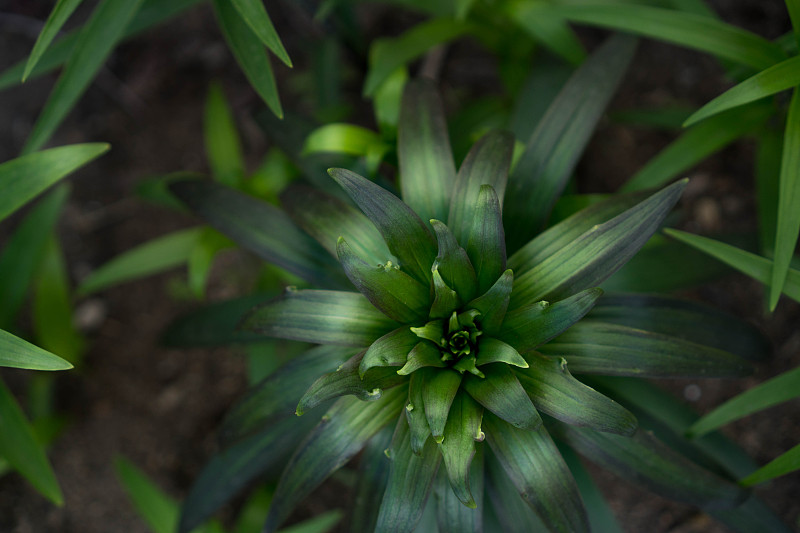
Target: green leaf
x=558 y=141
x=249 y=53
x=344 y=139
x=445 y=299
x=408 y=238
x=158 y=510
x=601 y=517
x=424 y=354
x=452 y=515
x=788 y=225
x=157 y=255
x=690 y=30
x=494 y=303
x=487 y=163
x=319 y=524
x=21 y=179
x=18 y=445
x=555 y=392
x=599 y=252
x=320 y=317
x=347 y=381
x=222 y=143
x=453 y=264
x=698 y=143
x=387 y=100
x=17 y=353
x=437 y=397
x=415 y=410
x=458 y=446
x=97 y=39
x=501 y=393
x=427 y=171
x=58 y=16
x=496 y=351
x=373 y=474
x=510 y=512
x=780 y=466
x=758 y=268
x=256 y=17
x=486 y=246
x=261 y=228
x=395 y=293
x=548 y=28
x=594 y=347
x=648 y=461
x=773 y=80
x=388 y=54
x=201 y=257
x=410 y=479
x=24 y=251
x=343 y=432
x=390 y=350
x=532 y=462
x=769 y=147
x=533 y=325
x=772 y=392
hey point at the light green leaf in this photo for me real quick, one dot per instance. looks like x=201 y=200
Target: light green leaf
x=458 y=447
x=543 y=24
x=690 y=30
x=758 y=268
x=445 y=299
x=158 y=510
x=438 y=394
x=256 y=17
x=249 y=53
x=501 y=393
x=556 y=145
x=494 y=303
x=222 y=143
x=390 y=350
x=387 y=99
x=773 y=392
x=534 y=465
x=388 y=54
x=97 y=39
x=201 y=257
x=342 y=433
x=162 y=253
x=58 y=16
x=23 y=178
x=780 y=466
x=17 y=353
x=344 y=139
x=788 y=225
x=19 y=447
x=486 y=246
x=424 y=354
x=773 y=80
x=496 y=351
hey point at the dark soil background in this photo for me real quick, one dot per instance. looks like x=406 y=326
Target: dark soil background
x=159 y=407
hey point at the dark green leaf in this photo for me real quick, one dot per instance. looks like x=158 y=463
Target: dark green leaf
x=261 y=228
x=501 y=393
x=452 y=515
x=547 y=27
x=594 y=347
x=408 y=238
x=453 y=264
x=595 y=255
x=410 y=480
x=486 y=246
x=415 y=410
x=511 y=513
x=487 y=163
x=398 y=295
x=494 y=303
x=769 y=148
x=496 y=351
x=532 y=462
x=222 y=143
x=320 y=317
x=249 y=53
x=537 y=323
x=343 y=432
x=780 y=466
x=424 y=354
x=390 y=350
x=555 y=147
x=427 y=171
x=438 y=393
x=256 y=17
x=373 y=474
x=58 y=16
x=18 y=445
x=458 y=445
x=445 y=299
x=17 y=353
x=555 y=392
x=601 y=518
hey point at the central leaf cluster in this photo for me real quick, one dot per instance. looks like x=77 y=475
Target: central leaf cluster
x=456 y=339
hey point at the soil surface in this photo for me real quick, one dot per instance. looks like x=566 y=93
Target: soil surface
x=159 y=407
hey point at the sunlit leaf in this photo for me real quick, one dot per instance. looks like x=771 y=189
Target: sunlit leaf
x=256 y=17
x=58 y=16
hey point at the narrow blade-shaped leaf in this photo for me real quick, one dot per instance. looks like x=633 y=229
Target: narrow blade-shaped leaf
x=222 y=143
x=453 y=264
x=398 y=295
x=17 y=353
x=343 y=138
x=58 y=16
x=438 y=394
x=390 y=350
x=410 y=480
x=158 y=510
x=261 y=228
x=780 y=466
x=535 y=324
x=487 y=163
x=788 y=225
x=21 y=179
x=558 y=141
x=496 y=351
x=407 y=237
x=445 y=299
x=494 y=303
x=458 y=446
x=19 y=447
x=201 y=258
x=550 y=29
x=486 y=246
x=594 y=347
x=501 y=393
x=157 y=255
x=452 y=515
x=555 y=392
x=256 y=17
x=427 y=170
x=601 y=517
x=599 y=252
x=320 y=317
x=415 y=410
x=97 y=39
x=249 y=53
x=532 y=462
x=690 y=30
x=343 y=432
x=373 y=470
x=509 y=512
x=423 y=355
